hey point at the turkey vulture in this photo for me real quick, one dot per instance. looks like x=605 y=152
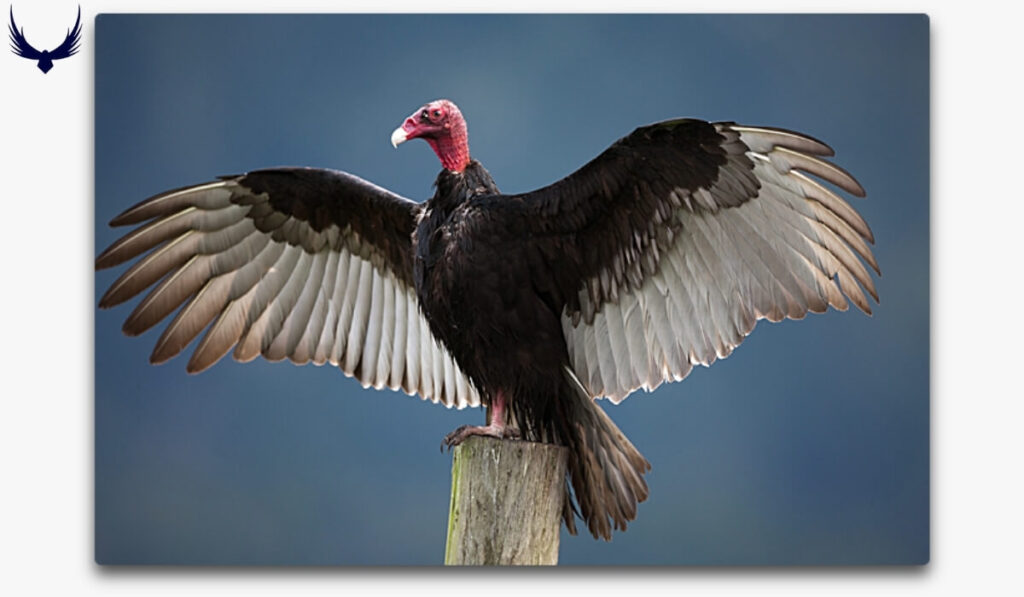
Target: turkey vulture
x=659 y=254
x=45 y=58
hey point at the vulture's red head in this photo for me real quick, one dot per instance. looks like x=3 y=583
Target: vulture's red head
x=439 y=123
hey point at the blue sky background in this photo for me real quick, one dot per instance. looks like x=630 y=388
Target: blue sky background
x=809 y=445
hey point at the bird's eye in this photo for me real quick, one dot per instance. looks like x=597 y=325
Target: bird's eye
x=437 y=113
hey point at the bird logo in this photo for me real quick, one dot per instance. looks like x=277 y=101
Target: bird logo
x=21 y=47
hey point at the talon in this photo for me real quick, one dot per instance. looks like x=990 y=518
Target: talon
x=455 y=437
x=459 y=435
x=498 y=427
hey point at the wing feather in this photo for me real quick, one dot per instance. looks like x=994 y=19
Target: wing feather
x=437 y=366
x=251 y=344
x=684 y=234
x=269 y=325
x=385 y=350
x=400 y=340
x=374 y=331
x=317 y=327
x=303 y=264
x=296 y=320
x=234 y=319
x=411 y=377
x=426 y=368
x=346 y=310
x=360 y=317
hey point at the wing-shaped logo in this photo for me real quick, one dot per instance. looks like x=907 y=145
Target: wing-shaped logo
x=21 y=47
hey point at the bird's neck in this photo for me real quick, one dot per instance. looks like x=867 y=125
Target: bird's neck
x=452 y=149
x=454 y=188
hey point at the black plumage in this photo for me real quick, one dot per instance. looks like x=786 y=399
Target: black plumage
x=659 y=254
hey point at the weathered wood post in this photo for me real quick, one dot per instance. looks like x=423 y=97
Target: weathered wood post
x=506 y=506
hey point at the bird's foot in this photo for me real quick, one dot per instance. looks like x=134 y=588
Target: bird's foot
x=459 y=435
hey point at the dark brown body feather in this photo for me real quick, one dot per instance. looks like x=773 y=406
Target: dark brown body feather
x=493 y=290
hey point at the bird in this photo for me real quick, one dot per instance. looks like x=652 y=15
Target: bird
x=660 y=254
x=45 y=58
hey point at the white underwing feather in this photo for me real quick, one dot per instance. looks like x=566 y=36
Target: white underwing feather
x=346 y=310
x=437 y=369
x=296 y=324
x=449 y=375
x=427 y=387
x=318 y=326
x=400 y=340
x=360 y=314
x=209 y=196
x=226 y=298
x=414 y=363
x=148 y=270
x=279 y=309
x=263 y=294
x=387 y=335
x=374 y=331
x=795 y=247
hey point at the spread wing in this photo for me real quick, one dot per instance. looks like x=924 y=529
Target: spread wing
x=20 y=45
x=305 y=264
x=69 y=47
x=676 y=240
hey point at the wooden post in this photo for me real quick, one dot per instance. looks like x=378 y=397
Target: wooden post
x=506 y=506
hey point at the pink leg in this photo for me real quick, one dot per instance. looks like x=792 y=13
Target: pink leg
x=497 y=427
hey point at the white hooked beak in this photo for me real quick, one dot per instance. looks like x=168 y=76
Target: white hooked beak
x=398 y=137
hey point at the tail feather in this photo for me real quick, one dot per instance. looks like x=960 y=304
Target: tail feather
x=605 y=469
